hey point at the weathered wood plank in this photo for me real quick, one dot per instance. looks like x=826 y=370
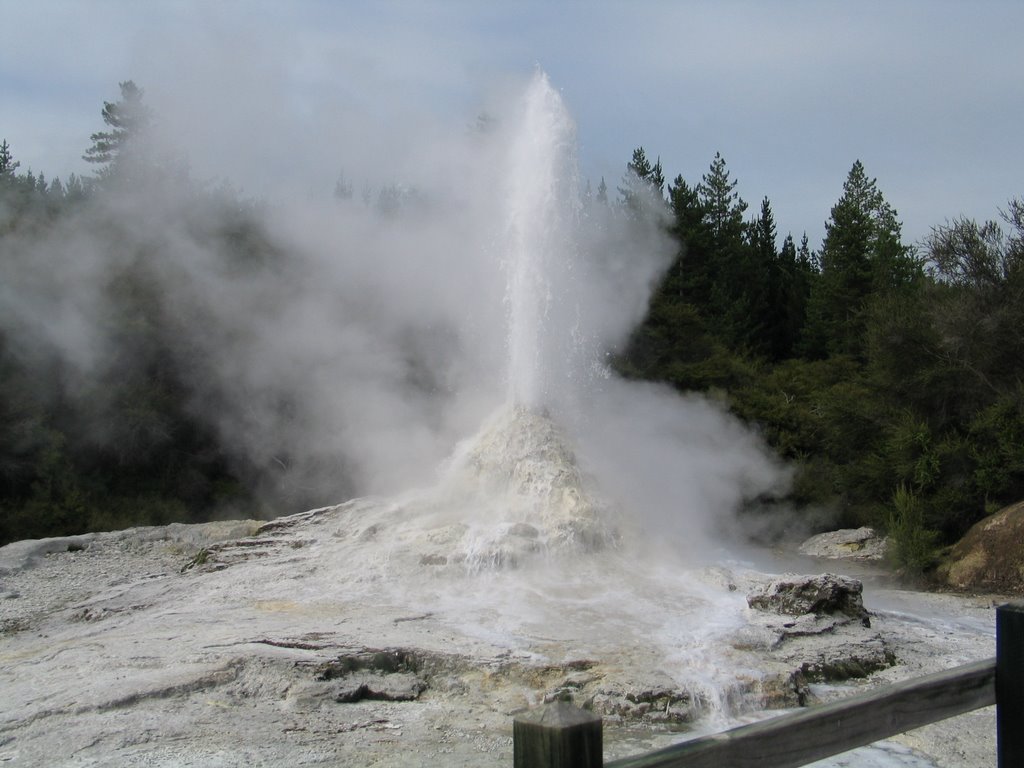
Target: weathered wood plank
x=557 y=736
x=796 y=739
x=1010 y=685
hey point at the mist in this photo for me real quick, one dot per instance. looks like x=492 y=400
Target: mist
x=368 y=329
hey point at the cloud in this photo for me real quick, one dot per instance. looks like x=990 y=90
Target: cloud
x=791 y=96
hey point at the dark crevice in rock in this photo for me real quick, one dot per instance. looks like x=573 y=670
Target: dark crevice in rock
x=852 y=667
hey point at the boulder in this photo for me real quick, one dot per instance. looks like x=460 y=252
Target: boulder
x=989 y=557
x=824 y=595
x=811 y=629
x=847 y=544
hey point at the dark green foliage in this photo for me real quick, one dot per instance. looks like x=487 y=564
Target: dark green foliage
x=693 y=274
x=895 y=393
x=912 y=545
x=862 y=256
x=115 y=445
x=996 y=446
x=723 y=206
x=119 y=441
x=787 y=307
x=748 y=296
x=723 y=256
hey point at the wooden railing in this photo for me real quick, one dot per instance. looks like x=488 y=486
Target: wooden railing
x=561 y=736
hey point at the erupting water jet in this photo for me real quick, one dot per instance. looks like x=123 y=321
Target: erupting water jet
x=543 y=215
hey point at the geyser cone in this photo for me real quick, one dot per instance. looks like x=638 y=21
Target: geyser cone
x=511 y=495
x=519 y=476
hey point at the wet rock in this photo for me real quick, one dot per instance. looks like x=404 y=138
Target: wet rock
x=757 y=637
x=847 y=544
x=385 y=661
x=811 y=629
x=11 y=626
x=525 y=530
x=846 y=651
x=401 y=686
x=376 y=675
x=770 y=633
x=824 y=595
x=24 y=554
x=849 y=663
x=447 y=536
x=654 y=699
x=784 y=690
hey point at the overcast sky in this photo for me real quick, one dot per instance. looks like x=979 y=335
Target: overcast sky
x=282 y=96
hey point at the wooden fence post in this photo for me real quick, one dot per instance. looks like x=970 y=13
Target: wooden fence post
x=1010 y=685
x=557 y=735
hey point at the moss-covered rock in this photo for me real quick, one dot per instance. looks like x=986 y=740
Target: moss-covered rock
x=990 y=556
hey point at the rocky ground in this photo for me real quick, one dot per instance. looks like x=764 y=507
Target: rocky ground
x=297 y=643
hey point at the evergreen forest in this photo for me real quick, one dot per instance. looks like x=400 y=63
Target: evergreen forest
x=889 y=375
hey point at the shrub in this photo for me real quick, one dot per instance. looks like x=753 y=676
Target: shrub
x=911 y=544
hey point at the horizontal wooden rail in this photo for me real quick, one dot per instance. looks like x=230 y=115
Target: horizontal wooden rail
x=799 y=738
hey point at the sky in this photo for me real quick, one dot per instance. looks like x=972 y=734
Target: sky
x=280 y=98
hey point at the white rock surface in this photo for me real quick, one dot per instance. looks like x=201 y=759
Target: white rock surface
x=394 y=632
x=113 y=655
x=846 y=544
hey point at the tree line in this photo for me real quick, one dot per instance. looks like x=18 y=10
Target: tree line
x=117 y=440
x=889 y=375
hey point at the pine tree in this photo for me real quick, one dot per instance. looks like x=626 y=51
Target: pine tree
x=861 y=254
x=640 y=166
x=657 y=177
x=672 y=335
x=763 y=231
x=75 y=189
x=639 y=183
x=795 y=272
x=128 y=119
x=727 y=260
x=8 y=165
x=762 y=309
x=723 y=207
x=806 y=258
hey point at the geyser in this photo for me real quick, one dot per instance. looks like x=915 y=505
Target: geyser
x=543 y=216
x=519 y=473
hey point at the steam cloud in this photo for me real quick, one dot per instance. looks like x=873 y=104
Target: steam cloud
x=387 y=335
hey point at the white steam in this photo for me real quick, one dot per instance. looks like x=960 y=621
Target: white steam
x=387 y=335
